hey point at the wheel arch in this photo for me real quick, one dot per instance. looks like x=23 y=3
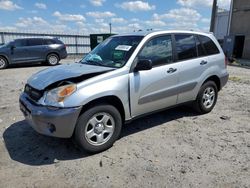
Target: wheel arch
x=215 y=79
x=5 y=57
x=53 y=52
x=111 y=100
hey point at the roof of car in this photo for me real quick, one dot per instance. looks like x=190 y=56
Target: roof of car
x=37 y=38
x=143 y=33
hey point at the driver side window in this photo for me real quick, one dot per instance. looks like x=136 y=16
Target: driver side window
x=158 y=50
x=20 y=43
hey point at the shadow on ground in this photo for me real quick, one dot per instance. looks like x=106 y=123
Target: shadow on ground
x=28 y=147
x=39 y=64
x=26 y=65
x=156 y=119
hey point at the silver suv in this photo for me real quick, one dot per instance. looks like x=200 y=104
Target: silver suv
x=32 y=50
x=125 y=77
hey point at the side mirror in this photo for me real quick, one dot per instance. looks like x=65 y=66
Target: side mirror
x=12 y=47
x=143 y=64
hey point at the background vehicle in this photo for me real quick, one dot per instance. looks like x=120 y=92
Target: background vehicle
x=125 y=77
x=32 y=50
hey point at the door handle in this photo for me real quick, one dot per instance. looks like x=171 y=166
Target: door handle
x=203 y=62
x=171 y=70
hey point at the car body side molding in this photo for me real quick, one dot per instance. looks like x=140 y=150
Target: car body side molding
x=166 y=93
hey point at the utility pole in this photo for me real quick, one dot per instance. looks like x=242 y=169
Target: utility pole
x=230 y=17
x=213 y=16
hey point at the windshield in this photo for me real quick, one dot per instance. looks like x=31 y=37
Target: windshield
x=7 y=44
x=113 y=52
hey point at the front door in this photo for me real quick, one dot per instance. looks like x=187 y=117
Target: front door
x=19 y=51
x=154 y=89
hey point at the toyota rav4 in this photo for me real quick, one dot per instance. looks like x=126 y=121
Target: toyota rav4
x=125 y=77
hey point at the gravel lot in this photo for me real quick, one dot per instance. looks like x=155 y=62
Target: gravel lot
x=174 y=148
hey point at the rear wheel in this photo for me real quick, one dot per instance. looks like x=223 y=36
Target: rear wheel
x=98 y=128
x=52 y=59
x=207 y=97
x=3 y=63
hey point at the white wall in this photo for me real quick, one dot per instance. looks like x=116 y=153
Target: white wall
x=221 y=24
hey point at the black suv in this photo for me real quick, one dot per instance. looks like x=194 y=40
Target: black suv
x=29 y=50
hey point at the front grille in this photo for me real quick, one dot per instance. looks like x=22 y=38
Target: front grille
x=33 y=93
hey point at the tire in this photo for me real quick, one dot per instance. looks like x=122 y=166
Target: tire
x=3 y=63
x=206 y=98
x=98 y=128
x=52 y=59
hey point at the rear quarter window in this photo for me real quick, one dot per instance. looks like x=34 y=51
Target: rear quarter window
x=50 y=41
x=209 y=45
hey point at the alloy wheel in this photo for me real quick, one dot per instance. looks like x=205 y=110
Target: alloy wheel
x=208 y=97
x=2 y=63
x=53 y=60
x=100 y=128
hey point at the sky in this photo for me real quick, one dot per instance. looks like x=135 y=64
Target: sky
x=94 y=16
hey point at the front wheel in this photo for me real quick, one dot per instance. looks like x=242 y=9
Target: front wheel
x=52 y=59
x=3 y=63
x=98 y=128
x=206 y=98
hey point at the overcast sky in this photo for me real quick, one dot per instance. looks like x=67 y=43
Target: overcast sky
x=94 y=16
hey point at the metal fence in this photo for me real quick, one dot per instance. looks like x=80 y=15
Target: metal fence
x=75 y=44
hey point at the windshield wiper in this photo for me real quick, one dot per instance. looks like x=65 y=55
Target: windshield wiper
x=92 y=62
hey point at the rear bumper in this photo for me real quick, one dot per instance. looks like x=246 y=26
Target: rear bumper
x=58 y=122
x=63 y=54
x=223 y=80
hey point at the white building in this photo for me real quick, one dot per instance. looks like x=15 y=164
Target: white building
x=221 y=24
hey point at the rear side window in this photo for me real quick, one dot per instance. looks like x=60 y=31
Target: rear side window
x=57 y=41
x=209 y=45
x=35 y=42
x=185 y=46
x=158 y=50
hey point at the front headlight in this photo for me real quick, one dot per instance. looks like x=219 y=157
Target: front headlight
x=55 y=97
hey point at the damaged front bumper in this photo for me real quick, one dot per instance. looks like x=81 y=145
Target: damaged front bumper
x=57 y=122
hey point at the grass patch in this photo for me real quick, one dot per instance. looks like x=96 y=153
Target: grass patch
x=234 y=78
x=235 y=62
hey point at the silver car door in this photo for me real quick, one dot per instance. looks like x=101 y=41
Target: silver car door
x=193 y=63
x=154 y=89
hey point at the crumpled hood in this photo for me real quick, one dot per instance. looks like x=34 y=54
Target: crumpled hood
x=46 y=77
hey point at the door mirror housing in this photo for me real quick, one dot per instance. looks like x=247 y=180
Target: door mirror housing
x=12 y=47
x=143 y=64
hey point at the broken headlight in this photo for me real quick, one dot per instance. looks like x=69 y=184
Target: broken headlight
x=55 y=97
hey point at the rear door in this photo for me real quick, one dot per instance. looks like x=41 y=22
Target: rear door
x=36 y=49
x=214 y=56
x=193 y=62
x=154 y=89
